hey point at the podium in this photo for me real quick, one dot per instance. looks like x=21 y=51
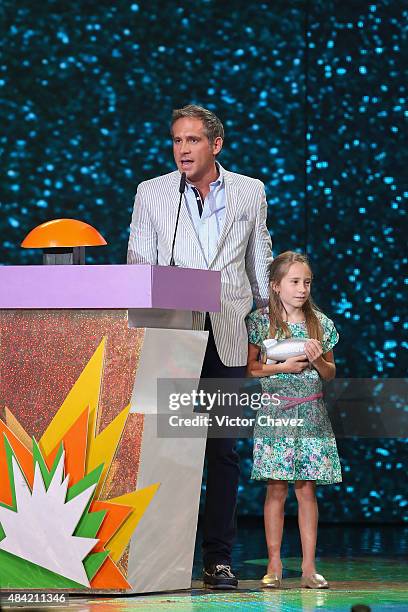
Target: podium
x=92 y=499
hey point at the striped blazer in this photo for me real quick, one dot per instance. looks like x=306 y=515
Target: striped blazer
x=243 y=251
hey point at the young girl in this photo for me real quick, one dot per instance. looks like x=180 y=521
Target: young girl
x=306 y=455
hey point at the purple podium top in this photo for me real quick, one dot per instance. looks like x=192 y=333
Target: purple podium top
x=116 y=286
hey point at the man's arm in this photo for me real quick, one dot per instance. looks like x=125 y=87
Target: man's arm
x=258 y=255
x=142 y=246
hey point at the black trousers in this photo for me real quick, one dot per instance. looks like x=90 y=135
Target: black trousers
x=222 y=472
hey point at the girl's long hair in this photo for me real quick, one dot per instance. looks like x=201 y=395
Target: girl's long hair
x=279 y=268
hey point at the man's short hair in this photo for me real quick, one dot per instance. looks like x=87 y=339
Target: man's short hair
x=212 y=125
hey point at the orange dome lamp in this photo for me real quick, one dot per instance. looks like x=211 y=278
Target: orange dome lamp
x=63 y=240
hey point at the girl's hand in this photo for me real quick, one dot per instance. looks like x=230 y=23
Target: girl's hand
x=313 y=350
x=294 y=365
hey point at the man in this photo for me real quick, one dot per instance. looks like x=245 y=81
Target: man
x=222 y=227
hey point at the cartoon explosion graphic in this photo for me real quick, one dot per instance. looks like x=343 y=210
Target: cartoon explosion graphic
x=55 y=530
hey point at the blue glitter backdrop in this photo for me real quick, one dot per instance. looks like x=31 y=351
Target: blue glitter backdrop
x=313 y=98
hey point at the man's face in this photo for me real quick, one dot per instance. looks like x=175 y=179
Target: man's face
x=193 y=152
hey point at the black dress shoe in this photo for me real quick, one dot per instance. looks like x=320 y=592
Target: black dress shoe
x=219 y=577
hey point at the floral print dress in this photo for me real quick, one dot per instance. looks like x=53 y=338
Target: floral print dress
x=297 y=452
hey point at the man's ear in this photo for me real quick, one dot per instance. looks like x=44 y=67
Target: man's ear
x=217 y=145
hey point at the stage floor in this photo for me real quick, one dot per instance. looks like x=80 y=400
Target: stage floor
x=364 y=564
x=381 y=597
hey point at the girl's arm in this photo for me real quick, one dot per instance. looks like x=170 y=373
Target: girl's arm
x=324 y=364
x=256 y=369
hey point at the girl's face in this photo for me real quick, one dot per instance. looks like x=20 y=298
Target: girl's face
x=294 y=288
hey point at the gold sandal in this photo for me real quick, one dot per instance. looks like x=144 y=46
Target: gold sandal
x=314 y=581
x=271 y=581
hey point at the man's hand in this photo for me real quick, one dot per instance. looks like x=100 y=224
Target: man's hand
x=313 y=350
x=294 y=365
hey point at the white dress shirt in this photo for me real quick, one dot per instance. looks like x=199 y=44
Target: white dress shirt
x=208 y=227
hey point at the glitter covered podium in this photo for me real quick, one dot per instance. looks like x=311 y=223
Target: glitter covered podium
x=91 y=498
